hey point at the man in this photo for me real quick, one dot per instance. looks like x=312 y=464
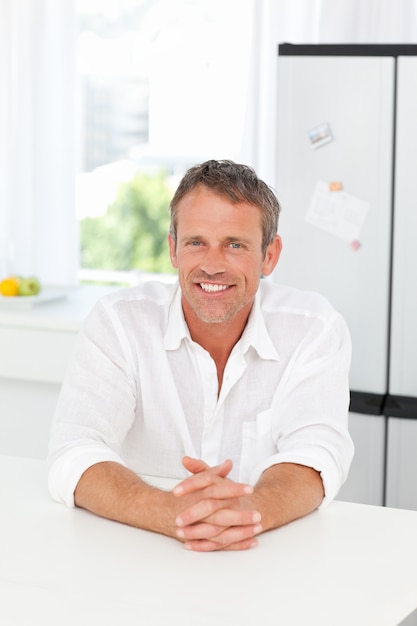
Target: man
x=215 y=409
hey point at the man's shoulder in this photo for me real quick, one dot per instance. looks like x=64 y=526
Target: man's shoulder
x=279 y=298
x=150 y=300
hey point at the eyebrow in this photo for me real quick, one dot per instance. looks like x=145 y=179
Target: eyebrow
x=241 y=239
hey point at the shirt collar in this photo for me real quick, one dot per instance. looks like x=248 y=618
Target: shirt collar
x=177 y=328
x=255 y=334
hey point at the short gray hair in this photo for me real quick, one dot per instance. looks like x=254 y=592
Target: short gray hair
x=235 y=181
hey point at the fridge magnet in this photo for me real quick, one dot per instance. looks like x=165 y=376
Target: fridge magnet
x=336 y=186
x=320 y=136
x=339 y=214
x=355 y=245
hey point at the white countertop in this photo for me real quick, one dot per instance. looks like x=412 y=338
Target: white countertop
x=349 y=565
x=65 y=311
x=37 y=337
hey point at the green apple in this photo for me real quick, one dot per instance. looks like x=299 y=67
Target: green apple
x=29 y=286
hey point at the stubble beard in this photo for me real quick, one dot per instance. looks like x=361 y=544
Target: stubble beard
x=216 y=311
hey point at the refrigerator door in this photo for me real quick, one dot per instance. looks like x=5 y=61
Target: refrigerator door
x=403 y=367
x=335 y=125
x=365 y=482
x=401 y=488
x=401 y=403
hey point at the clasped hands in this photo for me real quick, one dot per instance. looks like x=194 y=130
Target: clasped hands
x=216 y=513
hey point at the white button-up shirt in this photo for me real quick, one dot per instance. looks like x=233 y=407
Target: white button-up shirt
x=140 y=392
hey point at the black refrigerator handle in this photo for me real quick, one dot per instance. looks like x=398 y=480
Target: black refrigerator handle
x=366 y=403
x=386 y=405
x=400 y=406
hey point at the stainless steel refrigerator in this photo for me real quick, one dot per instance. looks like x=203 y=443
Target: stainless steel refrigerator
x=347 y=181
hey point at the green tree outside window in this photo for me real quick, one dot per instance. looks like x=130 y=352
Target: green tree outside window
x=133 y=232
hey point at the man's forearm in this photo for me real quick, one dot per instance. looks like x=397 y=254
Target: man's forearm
x=286 y=492
x=115 y=492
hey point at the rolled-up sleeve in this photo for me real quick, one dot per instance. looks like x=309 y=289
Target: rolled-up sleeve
x=96 y=407
x=309 y=412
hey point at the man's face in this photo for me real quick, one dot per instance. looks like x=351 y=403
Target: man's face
x=219 y=257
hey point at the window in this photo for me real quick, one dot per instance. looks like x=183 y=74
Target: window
x=161 y=86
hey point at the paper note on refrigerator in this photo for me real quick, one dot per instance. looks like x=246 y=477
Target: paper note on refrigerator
x=337 y=212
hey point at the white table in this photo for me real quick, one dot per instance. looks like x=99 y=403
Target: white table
x=351 y=564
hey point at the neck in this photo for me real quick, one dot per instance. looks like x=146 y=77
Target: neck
x=218 y=339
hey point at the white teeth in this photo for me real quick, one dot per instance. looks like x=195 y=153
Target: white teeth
x=210 y=287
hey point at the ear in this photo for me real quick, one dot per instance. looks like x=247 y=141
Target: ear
x=272 y=255
x=172 y=251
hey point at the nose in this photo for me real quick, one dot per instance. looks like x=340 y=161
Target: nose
x=213 y=261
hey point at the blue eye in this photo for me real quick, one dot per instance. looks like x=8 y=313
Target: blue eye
x=235 y=245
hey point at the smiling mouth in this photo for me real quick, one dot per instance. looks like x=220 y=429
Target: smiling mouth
x=210 y=288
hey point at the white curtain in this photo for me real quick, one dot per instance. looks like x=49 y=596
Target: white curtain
x=38 y=230
x=309 y=21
